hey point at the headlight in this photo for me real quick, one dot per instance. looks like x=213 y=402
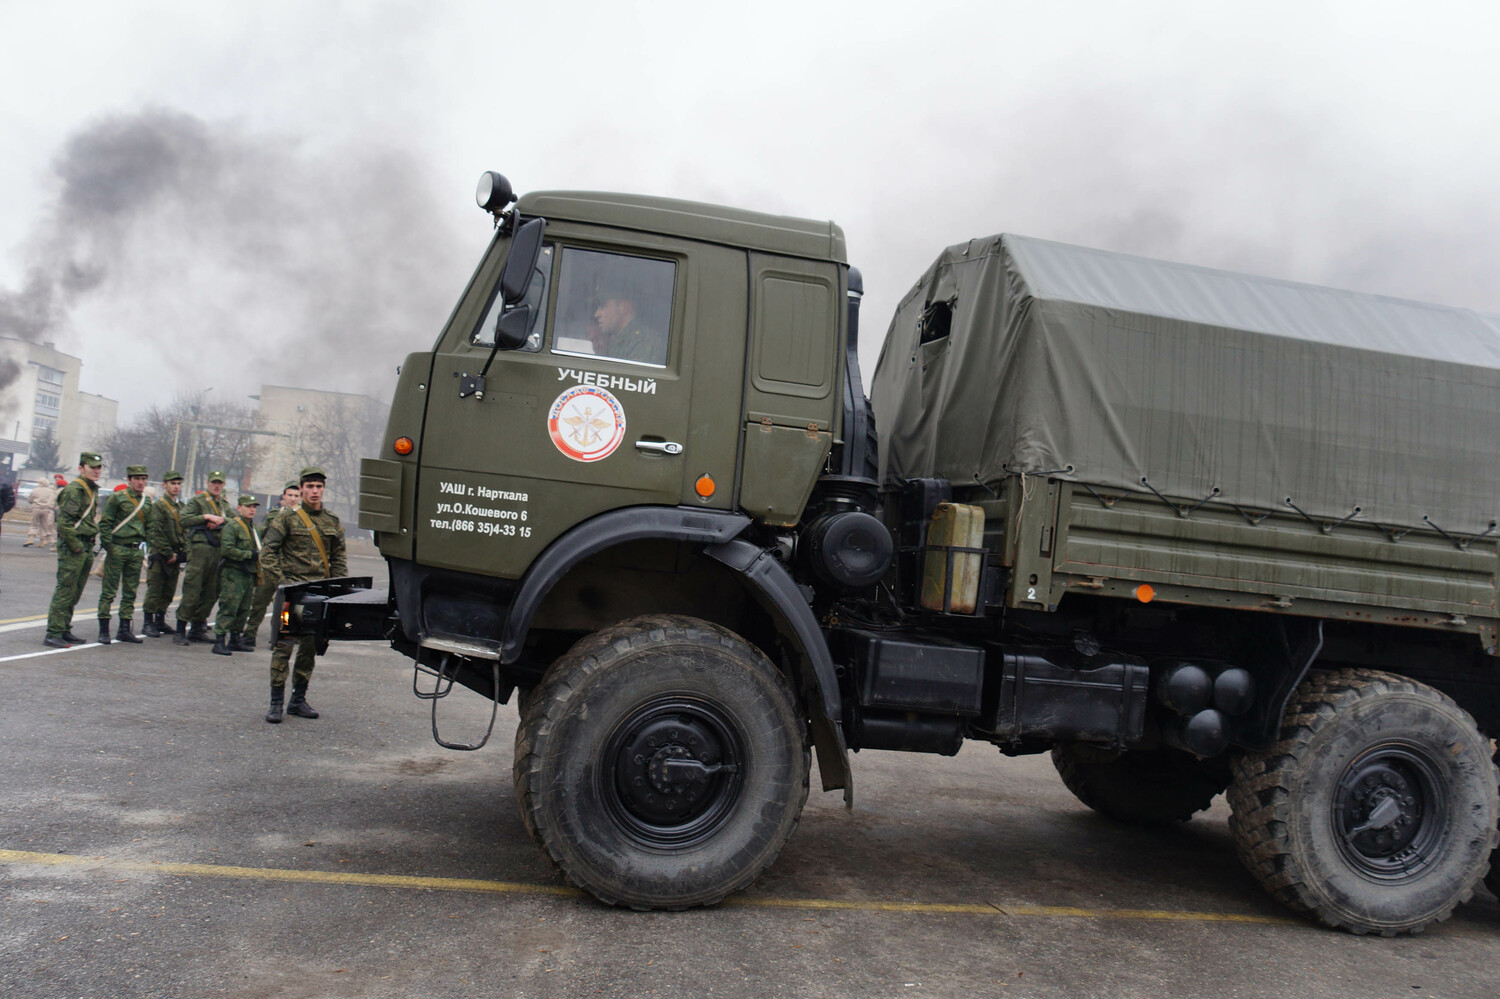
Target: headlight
x=494 y=192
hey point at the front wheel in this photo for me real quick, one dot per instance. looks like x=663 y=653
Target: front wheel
x=1376 y=810
x=662 y=763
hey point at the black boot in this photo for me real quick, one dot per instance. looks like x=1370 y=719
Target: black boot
x=221 y=644
x=180 y=636
x=247 y=639
x=278 y=691
x=124 y=634
x=238 y=642
x=197 y=632
x=73 y=639
x=104 y=631
x=299 y=705
x=152 y=629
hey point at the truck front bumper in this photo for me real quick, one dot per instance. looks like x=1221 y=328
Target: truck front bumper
x=345 y=609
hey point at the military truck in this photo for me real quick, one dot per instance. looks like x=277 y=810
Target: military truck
x=1188 y=531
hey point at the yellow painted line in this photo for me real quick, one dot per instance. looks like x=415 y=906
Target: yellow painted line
x=283 y=874
x=17 y=620
x=519 y=888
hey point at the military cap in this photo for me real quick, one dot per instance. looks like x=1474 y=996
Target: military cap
x=135 y=470
x=310 y=472
x=90 y=458
x=216 y=476
x=248 y=500
x=172 y=476
x=291 y=484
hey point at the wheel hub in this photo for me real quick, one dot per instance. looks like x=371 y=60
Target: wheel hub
x=1388 y=813
x=675 y=771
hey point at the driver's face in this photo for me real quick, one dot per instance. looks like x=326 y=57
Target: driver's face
x=613 y=314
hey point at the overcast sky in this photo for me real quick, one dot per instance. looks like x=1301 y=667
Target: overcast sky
x=196 y=195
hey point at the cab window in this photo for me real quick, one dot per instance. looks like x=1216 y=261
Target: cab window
x=613 y=305
x=536 y=297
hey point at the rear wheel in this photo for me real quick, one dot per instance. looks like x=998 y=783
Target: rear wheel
x=661 y=763
x=1376 y=810
x=1153 y=787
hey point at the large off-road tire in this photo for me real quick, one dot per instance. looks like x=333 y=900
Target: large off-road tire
x=1492 y=879
x=1376 y=810
x=662 y=763
x=1153 y=787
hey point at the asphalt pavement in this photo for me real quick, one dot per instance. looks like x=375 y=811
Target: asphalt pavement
x=158 y=838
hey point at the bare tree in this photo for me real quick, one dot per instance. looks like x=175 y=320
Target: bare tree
x=334 y=433
x=151 y=437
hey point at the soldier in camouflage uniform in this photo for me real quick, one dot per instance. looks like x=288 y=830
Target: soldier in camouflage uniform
x=303 y=544
x=239 y=572
x=266 y=589
x=122 y=529
x=77 y=527
x=166 y=551
x=202 y=518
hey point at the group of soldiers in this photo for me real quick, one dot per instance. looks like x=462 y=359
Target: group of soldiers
x=220 y=553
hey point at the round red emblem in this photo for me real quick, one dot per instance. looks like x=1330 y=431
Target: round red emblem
x=586 y=423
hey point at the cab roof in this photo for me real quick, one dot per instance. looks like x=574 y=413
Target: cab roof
x=693 y=220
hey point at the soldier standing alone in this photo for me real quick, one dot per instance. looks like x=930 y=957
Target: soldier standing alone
x=43 y=529
x=122 y=529
x=303 y=544
x=238 y=574
x=266 y=588
x=166 y=552
x=202 y=518
x=77 y=527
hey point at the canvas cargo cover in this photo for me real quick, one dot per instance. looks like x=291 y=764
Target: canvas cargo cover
x=1108 y=369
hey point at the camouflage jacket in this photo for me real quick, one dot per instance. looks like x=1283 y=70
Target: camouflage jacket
x=164 y=533
x=122 y=523
x=199 y=507
x=240 y=542
x=78 y=515
x=289 y=554
x=270 y=518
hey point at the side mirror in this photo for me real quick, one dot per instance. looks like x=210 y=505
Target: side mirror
x=525 y=250
x=512 y=328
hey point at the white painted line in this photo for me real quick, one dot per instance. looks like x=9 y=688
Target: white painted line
x=52 y=652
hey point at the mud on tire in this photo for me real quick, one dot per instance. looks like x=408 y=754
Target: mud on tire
x=661 y=763
x=1376 y=810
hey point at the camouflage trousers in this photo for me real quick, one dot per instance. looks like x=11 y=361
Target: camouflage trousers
x=200 y=584
x=122 y=571
x=260 y=601
x=281 y=659
x=72 y=573
x=236 y=587
x=161 y=584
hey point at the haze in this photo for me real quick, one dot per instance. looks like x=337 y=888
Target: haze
x=195 y=195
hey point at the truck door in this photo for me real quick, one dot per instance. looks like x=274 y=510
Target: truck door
x=601 y=409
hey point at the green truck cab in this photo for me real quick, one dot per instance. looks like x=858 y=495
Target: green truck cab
x=1187 y=531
